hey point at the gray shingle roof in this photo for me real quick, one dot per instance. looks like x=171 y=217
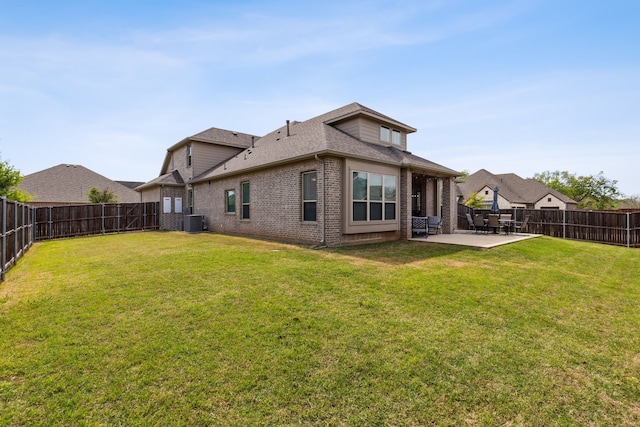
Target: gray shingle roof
x=316 y=137
x=70 y=184
x=171 y=179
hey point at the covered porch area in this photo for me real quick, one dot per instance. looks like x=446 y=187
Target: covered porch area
x=431 y=196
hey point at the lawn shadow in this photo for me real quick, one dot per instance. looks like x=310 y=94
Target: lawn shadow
x=399 y=252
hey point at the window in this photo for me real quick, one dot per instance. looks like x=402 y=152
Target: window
x=189 y=152
x=245 y=200
x=384 y=134
x=190 y=200
x=230 y=201
x=309 y=196
x=395 y=137
x=374 y=197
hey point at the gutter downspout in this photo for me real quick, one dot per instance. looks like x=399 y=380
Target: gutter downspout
x=324 y=203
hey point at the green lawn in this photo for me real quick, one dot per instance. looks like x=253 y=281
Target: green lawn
x=179 y=329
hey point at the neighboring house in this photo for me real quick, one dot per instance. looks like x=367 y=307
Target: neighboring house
x=513 y=192
x=342 y=177
x=69 y=185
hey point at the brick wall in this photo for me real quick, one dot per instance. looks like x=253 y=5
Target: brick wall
x=406 y=192
x=275 y=204
x=449 y=206
x=171 y=221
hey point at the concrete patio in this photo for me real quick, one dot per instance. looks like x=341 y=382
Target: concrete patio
x=473 y=239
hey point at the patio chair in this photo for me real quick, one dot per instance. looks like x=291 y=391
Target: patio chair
x=494 y=223
x=434 y=224
x=479 y=224
x=470 y=221
x=521 y=226
x=419 y=225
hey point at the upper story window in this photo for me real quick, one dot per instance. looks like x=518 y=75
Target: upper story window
x=189 y=152
x=390 y=135
x=385 y=134
x=309 y=196
x=395 y=137
x=374 y=197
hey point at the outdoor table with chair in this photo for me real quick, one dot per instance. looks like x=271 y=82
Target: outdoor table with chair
x=496 y=222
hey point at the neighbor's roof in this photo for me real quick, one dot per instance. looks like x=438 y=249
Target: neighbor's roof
x=316 y=136
x=510 y=186
x=67 y=183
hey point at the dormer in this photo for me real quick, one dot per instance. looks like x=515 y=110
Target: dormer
x=371 y=126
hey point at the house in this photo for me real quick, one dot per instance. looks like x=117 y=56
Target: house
x=339 y=178
x=513 y=192
x=67 y=184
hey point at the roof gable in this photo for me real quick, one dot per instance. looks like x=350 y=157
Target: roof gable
x=355 y=110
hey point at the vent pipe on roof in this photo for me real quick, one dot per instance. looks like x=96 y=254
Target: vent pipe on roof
x=288 y=133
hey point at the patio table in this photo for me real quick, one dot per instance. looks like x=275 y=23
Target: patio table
x=506 y=223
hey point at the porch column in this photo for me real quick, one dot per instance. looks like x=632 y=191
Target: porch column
x=405 y=203
x=449 y=206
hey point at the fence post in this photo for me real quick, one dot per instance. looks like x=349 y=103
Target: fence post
x=628 y=229
x=564 y=223
x=15 y=232
x=3 y=250
x=50 y=222
x=103 y=231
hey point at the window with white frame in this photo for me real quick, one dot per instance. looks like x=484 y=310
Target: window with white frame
x=245 y=200
x=309 y=196
x=374 y=196
x=189 y=155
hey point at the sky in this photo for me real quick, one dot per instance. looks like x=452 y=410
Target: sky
x=512 y=86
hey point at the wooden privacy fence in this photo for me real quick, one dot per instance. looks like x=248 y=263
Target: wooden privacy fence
x=614 y=228
x=54 y=222
x=16 y=233
x=22 y=225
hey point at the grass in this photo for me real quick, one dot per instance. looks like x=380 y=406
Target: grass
x=183 y=329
